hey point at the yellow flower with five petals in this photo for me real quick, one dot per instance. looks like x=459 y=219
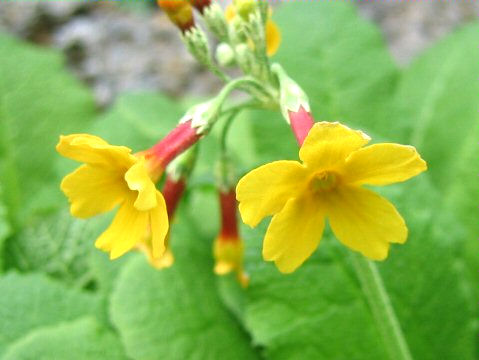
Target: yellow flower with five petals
x=111 y=177
x=327 y=185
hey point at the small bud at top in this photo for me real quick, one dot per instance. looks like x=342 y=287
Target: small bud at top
x=197 y=43
x=200 y=5
x=245 y=7
x=180 y=13
x=216 y=21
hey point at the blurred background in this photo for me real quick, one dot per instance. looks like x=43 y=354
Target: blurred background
x=118 y=47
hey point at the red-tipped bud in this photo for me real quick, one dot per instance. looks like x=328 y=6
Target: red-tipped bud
x=180 y=13
x=228 y=247
x=301 y=122
x=178 y=140
x=294 y=104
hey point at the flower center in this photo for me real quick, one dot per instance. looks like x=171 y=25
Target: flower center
x=323 y=181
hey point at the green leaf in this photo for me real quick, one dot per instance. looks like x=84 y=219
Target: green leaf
x=63 y=247
x=321 y=312
x=39 y=101
x=5 y=230
x=30 y=301
x=58 y=245
x=138 y=120
x=438 y=96
x=176 y=313
x=81 y=339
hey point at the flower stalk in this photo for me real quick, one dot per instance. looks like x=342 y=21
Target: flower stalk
x=381 y=308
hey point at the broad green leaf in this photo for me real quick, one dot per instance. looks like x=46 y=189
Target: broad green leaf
x=77 y=340
x=321 y=312
x=103 y=271
x=58 y=245
x=138 y=120
x=63 y=247
x=438 y=95
x=39 y=101
x=5 y=230
x=176 y=313
x=30 y=301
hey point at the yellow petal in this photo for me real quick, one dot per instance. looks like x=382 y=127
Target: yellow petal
x=138 y=180
x=383 y=164
x=273 y=38
x=328 y=145
x=294 y=233
x=265 y=190
x=129 y=227
x=164 y=261
x=223 y=267
x=93 y=190
x=94 y=150
x=230 y=12
x=159 y=226
x=364 y=221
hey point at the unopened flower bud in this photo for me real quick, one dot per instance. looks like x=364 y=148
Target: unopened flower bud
x=197 y=43
x=225 y=54
x=179 y=12
x=216 y=21
x=200 y=5
x=244 y=58
x=294 y=104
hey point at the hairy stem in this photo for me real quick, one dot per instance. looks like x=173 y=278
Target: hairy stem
x=381 y=308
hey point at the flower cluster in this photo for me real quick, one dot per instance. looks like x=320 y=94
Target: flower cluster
x=300 y=196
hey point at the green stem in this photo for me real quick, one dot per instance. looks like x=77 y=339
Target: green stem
x=217 y=71
x=226 y=127
x=243 y=83
x=381 y=308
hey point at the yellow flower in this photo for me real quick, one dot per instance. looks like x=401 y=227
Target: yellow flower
x=327 y=184
x=162 y=262
x=110 y=177
x=272 y=32
x=228 y=253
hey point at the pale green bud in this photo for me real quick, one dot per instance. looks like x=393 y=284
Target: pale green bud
x=215 y=20
x=225 y=54
x=197 y=44
x=244 y=58
x=291 y=96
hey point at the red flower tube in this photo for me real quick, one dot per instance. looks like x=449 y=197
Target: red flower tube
x=301 y=122
x=228 y=246
x=178 y=140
